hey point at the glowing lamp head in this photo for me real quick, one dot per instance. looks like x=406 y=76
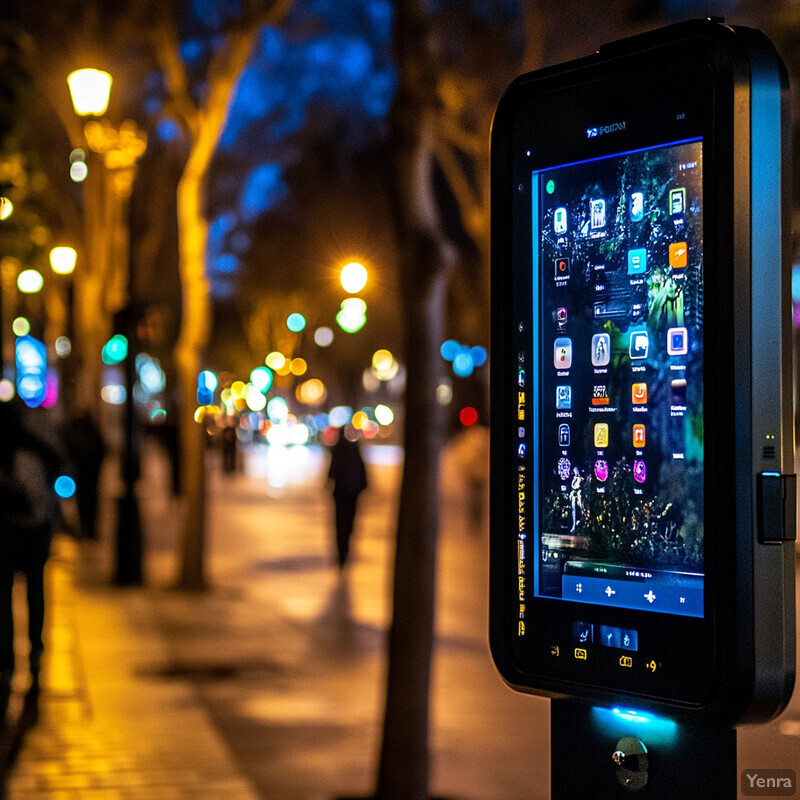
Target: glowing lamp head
x=353 y=277
x=62 y=260
x=90 y=90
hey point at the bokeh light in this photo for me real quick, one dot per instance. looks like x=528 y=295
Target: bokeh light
x=384 y=365
x=449 y=349
x=78 y=171
x=31 y=362
x=207 y=383
x=30 y=281
x=352 y=315
x=275 y=360
x=261 y=378
x=6 y=208
x=115 y=350
x=468 y=416
x=383 y=414
x=255 y=398
x=311 y=392
x=464 y=358
x=353 y=277
x=360 y=418
x=114 y=394
x=298 y=366
x=63 y=346
x=6 y=390
x=295 y=322
x=323 y=336
x=21 y=326
x=340 y=416
x=151 y=377
x=277 y=409
x=64 y=486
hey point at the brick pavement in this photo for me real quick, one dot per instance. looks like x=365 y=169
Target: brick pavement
x=108 y=727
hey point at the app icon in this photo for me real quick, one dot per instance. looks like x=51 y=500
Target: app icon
x=639 y=471
x=562 y=268
x=563 y=435
x=582 y=632
x=562 y=353
x=520 y=377
x=638 y=436
x=678 y=255
x=598 y=214
x=564 y=468
x=601 y=435
x=563 y=397
x=677 y=201
x=639 y=344
x=639 y=394
x=601 y=469
x=560 y=220
x=677 y=391
x=561 y=318
x=636 y=206
x=601 y=349
x=600 y=396
x=637 y=261
x=677 y=341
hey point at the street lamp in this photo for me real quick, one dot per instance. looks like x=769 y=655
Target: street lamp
x=90 y=90
x=62 y=260
x=353 y=277
x=119 y=149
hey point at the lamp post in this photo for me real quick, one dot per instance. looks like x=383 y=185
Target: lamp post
x=119 y=150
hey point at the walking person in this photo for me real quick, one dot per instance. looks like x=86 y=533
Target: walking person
x=86 y=449
x=29 y=466
x=348 y=475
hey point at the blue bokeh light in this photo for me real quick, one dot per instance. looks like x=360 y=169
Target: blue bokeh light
x=64 y=486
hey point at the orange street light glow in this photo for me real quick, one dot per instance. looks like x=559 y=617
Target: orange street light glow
x=90 y=90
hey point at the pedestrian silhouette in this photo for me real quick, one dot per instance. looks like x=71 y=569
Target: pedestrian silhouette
x=86 y=450
x=229 y=447
x=349 y=478
x=29 y=465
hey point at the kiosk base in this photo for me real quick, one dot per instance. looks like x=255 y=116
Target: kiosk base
x=622 y=753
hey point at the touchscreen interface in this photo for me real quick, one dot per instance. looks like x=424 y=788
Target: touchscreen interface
x=615 y=439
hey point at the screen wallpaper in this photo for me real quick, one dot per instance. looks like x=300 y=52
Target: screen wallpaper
x=617 y=380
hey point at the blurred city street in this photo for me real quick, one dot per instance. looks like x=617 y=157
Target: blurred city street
x=270 y=684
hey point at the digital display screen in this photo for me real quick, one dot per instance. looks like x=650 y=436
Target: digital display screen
x=615 y=432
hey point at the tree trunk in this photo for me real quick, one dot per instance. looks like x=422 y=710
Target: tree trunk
x=404 y=758
x=426 y=260
x=195 y=326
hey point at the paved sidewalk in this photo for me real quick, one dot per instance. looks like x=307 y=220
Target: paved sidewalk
x=269 y=686
x=108 y=729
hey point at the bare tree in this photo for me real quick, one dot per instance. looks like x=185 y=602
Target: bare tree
x=439 y=121
x=203 y=121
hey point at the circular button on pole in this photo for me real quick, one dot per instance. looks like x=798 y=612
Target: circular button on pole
x=631 y=762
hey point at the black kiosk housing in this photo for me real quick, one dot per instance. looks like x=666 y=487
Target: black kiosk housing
x=643 y=509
